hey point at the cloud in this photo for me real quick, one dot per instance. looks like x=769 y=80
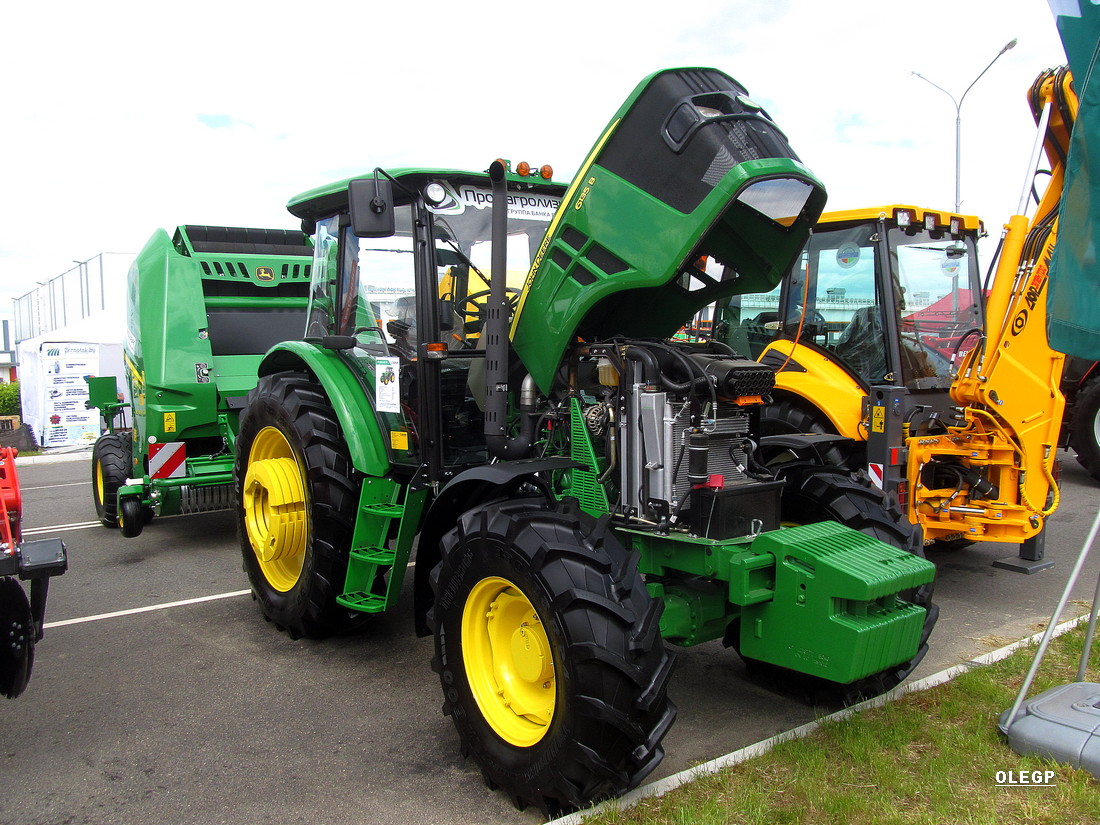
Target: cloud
x=217 y=121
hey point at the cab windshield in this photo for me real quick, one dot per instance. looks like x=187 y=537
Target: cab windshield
x=936 y=304
x=378 y=280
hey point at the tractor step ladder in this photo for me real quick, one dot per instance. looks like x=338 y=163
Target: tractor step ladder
x=367 y=587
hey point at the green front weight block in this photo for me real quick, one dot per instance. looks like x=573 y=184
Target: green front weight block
x=836 y=612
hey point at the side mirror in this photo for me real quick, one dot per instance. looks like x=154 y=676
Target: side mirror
x=371 y=205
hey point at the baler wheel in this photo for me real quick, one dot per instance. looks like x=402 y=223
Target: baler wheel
x=549 y=653
x=131 y=517
x=297 y=505
x=111 y=460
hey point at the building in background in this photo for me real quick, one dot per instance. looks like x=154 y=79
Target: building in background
x=67 y=328
x=86 y=290
x=8 y=366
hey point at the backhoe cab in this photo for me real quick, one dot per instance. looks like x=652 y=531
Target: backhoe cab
x=866 y=331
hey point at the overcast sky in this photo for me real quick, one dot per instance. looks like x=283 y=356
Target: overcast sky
x=123 y=117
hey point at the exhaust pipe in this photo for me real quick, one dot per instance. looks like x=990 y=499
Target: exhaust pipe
x=496 y=341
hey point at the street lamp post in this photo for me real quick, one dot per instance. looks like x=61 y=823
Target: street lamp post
x=958 y=117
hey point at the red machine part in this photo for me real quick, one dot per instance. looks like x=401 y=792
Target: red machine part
x=11 y=502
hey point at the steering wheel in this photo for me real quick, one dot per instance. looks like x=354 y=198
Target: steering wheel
x=469 y=307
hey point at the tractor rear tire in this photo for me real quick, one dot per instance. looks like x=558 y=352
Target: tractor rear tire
x=297 y=503
x=549 y=653
x=816 y=494
x=112 y=457
x=1085 y=435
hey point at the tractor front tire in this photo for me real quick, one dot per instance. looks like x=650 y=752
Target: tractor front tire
x=112 y=457
x=549 y=654
x=297 y=504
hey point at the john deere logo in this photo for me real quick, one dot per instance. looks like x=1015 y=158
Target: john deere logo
x=265 y=273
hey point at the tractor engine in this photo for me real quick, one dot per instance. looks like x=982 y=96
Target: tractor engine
x=677 y=427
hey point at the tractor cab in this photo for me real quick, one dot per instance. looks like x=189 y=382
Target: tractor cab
x=400 y=282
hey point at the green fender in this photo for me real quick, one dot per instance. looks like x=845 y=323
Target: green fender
x=353 y=407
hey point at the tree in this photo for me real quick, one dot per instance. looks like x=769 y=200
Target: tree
x=9 y=399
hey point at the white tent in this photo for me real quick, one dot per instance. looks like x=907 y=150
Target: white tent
x=52 y=368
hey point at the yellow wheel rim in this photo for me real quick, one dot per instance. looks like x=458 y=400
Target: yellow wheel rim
x=509 y=662
x=275 y=514
x=99 y=483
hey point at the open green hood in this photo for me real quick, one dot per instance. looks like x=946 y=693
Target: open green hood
x=689 y=167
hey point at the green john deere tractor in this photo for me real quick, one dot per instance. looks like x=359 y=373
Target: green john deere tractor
x=487 y=373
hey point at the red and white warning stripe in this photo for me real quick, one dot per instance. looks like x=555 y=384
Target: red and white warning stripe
x=876 y=473
x=168 y=460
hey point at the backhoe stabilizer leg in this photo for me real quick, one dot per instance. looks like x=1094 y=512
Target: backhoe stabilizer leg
x=1031 y=557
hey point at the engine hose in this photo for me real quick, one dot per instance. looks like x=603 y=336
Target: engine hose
x=1064 y=111
x=962 y=338
x=675 y=472
x=510 y=448
x=689 y=367
x=907 y=424
x=639 y=351
x=960 y=476
x=612 y=444
x=651 y=369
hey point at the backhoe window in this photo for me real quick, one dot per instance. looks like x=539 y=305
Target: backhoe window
x=846 y=306
x=937 y=305
x=829 y=299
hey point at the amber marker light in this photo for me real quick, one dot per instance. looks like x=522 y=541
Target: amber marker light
x=523 y=168
x=547 y=171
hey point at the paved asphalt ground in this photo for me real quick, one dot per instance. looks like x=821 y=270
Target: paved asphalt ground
x=203 y=713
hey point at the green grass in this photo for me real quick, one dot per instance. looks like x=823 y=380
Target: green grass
x=929 y=758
